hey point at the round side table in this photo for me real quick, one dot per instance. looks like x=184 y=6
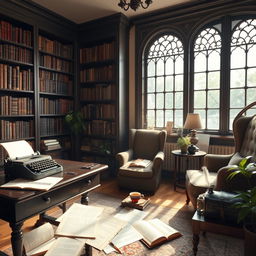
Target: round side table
x=182 y=160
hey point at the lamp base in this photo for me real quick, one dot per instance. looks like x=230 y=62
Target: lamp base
x=193 y=137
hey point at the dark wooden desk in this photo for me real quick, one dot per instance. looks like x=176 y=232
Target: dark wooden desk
x=16 y=206
x=200 y=224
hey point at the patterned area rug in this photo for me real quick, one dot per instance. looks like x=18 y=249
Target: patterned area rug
x=209 y=245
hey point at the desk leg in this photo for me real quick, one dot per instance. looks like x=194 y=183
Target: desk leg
x=17 y=241
x=85 y=199
x=175 y=172
x=88 y=250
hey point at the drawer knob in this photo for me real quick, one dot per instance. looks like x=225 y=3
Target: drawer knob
x=89 y=181
x=47 y=199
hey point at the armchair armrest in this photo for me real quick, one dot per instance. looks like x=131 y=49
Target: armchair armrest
x=124 y=157
x=215 y=162
x=157 y=161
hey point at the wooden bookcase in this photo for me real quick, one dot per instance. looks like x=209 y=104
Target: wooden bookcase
x=103 y=88
x=42 y=77
x=17 y=95
x=56 y=87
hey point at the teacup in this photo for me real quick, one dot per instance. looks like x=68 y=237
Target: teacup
x=135 y=196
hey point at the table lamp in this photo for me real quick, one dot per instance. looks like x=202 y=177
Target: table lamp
x=193 y=121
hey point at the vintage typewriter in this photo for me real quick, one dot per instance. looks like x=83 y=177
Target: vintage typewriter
x=32 y=167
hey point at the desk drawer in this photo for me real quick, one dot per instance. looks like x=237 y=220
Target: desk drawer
x=44 y=201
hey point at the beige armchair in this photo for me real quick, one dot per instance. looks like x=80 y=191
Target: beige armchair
x=144 y=144
x=197 y=181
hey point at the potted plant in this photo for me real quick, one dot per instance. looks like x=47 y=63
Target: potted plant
x=247 y=205
x=183 y=143
x=75 y=123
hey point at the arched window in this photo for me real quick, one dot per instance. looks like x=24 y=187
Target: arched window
x=207 y=69
x=242 y=66
x=164 y=82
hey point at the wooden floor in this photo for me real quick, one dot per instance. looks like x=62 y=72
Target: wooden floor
x=165 y=196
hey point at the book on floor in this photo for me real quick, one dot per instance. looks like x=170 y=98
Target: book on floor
x=155 y=232
x=39 y=240
x=140 y=205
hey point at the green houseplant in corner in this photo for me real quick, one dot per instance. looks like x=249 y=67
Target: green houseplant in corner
x=247 y=205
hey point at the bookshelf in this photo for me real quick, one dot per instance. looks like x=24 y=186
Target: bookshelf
x=17 y=95
x=56 y=88
x=103 y=90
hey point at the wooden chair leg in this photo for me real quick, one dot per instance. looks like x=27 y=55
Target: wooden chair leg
x=188 y=199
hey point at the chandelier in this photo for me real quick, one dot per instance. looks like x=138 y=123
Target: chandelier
x=134 y=4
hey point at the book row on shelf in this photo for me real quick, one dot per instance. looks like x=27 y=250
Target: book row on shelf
x=10 y=32
x=14 y=78
x=97 y=53
x=15 y=105
x=55 y=83
x=100 y=127
x=52 y=126
x=55 y=106
x=97 y=145
x=16 y=129
x=97 y=74
x=15 y=53
x=99 y=111
x=54 y=47
x=55 y=63
x=98 y=92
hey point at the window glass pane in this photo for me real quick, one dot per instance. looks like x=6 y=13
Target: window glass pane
x=151 y=68
x=169 y=83
x=200 y=81
x=237 y=98
x=237 y=78
x=178 y=118
x=151 y=85
x=169 y=66
x=214 y=80
x=178 y=100
x=232 y=115
x=251 y=95
x=160 y=84
x=202 y=114
x=238 y=58
x=160 y=118
x=160 y=67
x=200 y=62
x=151 y=118
x=151 y=101
x=179 y=83
x=251 y=77
x=169 y=100
x=168 y=115
x=199 y=99
x=213 y=99
x=159 y=100
x=179 y=65
x=214 y=61
x=251 y=56
x=213 y=119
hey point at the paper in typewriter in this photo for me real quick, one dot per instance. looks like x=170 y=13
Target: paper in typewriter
x=18 y=149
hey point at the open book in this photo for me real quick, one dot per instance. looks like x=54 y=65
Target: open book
x=155 y=232
x=42 y=184
x=39 y=240
x=140 y=163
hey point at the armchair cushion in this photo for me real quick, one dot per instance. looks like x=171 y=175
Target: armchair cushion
x=215 y=162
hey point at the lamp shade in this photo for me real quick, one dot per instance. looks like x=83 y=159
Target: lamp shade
x=193 y=121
